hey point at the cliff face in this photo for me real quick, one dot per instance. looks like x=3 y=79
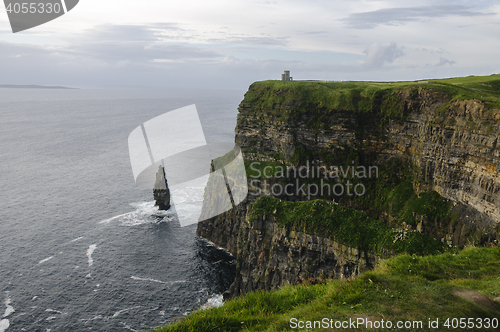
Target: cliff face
x=450 y=144
x=269 y=256
x=455 y=149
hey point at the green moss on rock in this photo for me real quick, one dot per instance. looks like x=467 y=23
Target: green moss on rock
x=348 y=226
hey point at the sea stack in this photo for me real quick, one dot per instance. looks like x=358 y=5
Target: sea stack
x=161 y=193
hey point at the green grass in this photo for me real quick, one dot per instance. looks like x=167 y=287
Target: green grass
x=366 y=98
x=262 y=169
x=402 y=203
x=322 y=99
x=404 y=288
x=344 y=225
x=392 y=191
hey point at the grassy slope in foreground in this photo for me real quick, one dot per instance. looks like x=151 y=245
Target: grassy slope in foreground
x=403 y=288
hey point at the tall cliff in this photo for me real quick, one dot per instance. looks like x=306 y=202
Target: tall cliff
x=435 y=149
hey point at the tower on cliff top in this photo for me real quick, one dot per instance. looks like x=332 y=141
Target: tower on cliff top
x=286 y=76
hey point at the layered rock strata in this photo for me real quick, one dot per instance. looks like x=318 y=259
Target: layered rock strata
x=452 y=144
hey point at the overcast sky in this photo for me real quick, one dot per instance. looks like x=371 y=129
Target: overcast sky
x=231 y=43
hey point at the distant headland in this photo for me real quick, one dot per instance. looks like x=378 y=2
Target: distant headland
x=31 y=86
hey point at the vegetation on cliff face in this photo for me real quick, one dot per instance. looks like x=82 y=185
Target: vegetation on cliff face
x=420 y=135
x=404 y=288
x=389 y=197
x=344 y=225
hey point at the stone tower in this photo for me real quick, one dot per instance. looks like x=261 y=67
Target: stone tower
x=286 y=76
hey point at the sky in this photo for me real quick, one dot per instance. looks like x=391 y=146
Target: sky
x=232 y=43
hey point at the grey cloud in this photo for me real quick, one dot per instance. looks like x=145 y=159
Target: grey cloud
x=265 y=2
x=252 y=41
x=134 y=43
x=119 y=33
x=313 y=32
x=378 y=54
x=282 y=41
x=140 y=52
x=400 y=16
x=9 y=50
x=180 y=52
x=31 y=64
x=26 y=64
x=118 y=55
x=167 y=26
x=443 y=61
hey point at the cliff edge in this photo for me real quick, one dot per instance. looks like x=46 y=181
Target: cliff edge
x=418 y=165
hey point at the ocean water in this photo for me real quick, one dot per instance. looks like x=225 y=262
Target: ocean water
x=82 y=248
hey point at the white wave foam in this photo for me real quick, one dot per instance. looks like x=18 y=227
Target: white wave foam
x=142 y=215
x=105 y=221
x=149 y=209
x=116 y=314
x=187 y=200
x=91 y=319
x=52 y=310
x=189 y=194
x=158 y=281
x=151 y=309
x=90 y=250
x=187 y=203
x=213 y=302
x=4 y=325
x=211 y=244
x=138 y=204
x=45 y=260
x=8 y=308
x=128 y=327
x=72 y=241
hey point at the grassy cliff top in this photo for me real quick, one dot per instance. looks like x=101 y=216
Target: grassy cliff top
x=347 y=95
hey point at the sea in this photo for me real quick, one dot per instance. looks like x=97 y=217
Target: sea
x=82 y=247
